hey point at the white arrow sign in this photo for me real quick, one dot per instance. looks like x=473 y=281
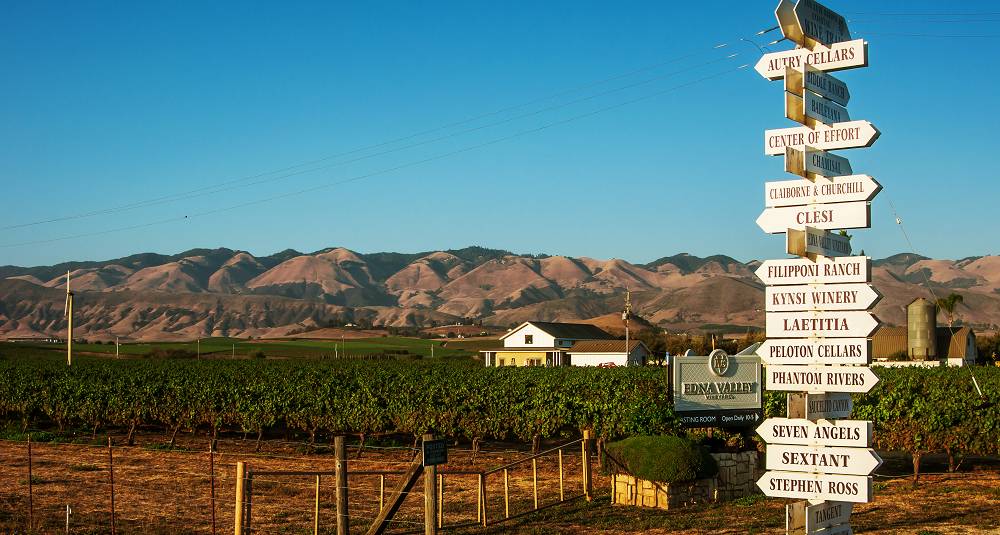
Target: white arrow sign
x=819 y=324
x=847 y=433
x=823 y=270
x=849 y=135
x=836 y=57
x=822 y=190
x=814 y=241
x=813 y=163
x=819 y=24
x=826 y=406
x=812 y=109
x=815 y=351
x=857 y=379
x=844 y=488
x=798 y=81
x=820 y=460
x=842 y=215
x=811 y=518
x=858 y=296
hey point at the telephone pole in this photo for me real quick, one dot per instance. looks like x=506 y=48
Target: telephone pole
x=69 y=323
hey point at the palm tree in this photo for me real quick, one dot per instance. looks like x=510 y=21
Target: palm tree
x=948 y=305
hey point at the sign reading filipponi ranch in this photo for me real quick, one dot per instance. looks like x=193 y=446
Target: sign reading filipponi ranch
x=717 y=390
x=823 y=270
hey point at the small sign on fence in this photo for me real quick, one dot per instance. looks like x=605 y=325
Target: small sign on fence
x=435 y=452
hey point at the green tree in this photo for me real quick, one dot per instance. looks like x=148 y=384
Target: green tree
x=948 y=306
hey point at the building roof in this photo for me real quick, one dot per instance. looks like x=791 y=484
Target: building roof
x=526 y=349
x=888 y=340
x=606 y=346
x=952 y=342
x=571 y=331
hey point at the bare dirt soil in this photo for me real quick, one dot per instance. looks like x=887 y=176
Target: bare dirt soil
x=157 y=490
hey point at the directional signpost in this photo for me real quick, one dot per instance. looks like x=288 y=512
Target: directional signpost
x=816 y=308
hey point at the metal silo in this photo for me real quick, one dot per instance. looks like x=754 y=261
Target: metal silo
x=921 y=324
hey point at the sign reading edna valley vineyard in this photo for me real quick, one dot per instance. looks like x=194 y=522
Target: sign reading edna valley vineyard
x=718 y=390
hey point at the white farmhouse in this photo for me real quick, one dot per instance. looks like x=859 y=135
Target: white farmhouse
x=540 y=343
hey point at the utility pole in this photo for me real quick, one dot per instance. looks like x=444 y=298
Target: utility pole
x=625 y=315
x=69 y=324
x=199 y=348
x=234 y=350
x=432 y=349
x=116 y=347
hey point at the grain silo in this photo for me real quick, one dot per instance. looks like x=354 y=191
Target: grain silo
x=921 y=324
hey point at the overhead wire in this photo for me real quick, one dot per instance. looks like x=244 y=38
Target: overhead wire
x=295 y=169
x=381 y=171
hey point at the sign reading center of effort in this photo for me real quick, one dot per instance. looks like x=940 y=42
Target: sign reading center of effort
x=849 y=135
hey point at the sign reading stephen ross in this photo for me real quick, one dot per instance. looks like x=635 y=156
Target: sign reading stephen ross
x=719 y=390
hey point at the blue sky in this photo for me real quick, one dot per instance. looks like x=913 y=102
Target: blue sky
x=598 y=129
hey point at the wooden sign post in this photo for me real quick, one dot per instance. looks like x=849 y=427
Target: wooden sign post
x=816 y=309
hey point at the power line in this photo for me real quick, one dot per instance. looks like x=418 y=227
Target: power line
x=290 y=171
x=386 y=170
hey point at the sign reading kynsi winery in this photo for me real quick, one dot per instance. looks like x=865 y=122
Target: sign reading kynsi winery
x=803 y=516
x=821 y=190
x=849 y=135
x=814 y=241
x=823 y=270
x=836 y=57
x=820 y=324
x=857 y=296
x=820 y=24
x=718 y=390
x=803 y=486
x=842 y=215
x=825 y=406
x=847 y=433
x=815 y=351
x=808 y=78
x=856 y=379
x=822 y=460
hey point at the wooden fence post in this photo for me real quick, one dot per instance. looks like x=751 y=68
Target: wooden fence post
x=31 y=504
x=440 y=500
x=534 y=479
x=238 y=515
x=211 y=477
x=561 y=492
x=111 y=479
x=506 y=494
x=343 y=518
x=316 y=511
x=430 y=495
x=479 y=499
x=587 y=479
x=381 y=492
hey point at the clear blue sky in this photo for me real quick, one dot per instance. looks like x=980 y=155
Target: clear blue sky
x=110 y=103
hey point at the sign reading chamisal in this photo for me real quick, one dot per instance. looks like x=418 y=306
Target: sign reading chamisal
x=719 y=390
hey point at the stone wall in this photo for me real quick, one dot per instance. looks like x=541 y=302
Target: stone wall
x=738 y=474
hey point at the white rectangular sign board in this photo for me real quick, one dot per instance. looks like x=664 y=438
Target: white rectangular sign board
x=842 y=215
x=820 y=324
x=856 y=296
x=822 y=190
x=815 y=351
x=849 y=135
x=836 y=57
x=825 y=406
x=847 y=433
x=822 y=270
x=799 y=81
x=799 y=485
x=856 y=379
x=811 y=518
x=814 y=241
x=822 y=460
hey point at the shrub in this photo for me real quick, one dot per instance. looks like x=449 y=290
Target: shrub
x=668 y=459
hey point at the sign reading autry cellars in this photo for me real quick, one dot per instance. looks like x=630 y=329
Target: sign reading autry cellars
x=823 y=270
x=821 y=190
x=815 y=351
x=847 y=135
x=841 y=215
x=839 y=56
x=718 y=390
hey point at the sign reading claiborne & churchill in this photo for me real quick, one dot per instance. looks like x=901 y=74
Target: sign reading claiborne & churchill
x=719 y=390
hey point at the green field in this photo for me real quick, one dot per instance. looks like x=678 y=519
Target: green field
x=241 y=348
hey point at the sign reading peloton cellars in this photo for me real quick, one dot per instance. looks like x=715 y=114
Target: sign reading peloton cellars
x=836 y=57
x=823 y=270
x=849 y=135
x=843 y=488
x=719 y=389
x=841 y=215
x=820 y=460
x=856 y=296
x=847 y=433
x=804 y=517
x=819 y=324
x=815 y=351
x=855 y=379
x=822 y=190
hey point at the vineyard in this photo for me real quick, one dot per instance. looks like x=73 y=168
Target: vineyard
x=913 y=410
